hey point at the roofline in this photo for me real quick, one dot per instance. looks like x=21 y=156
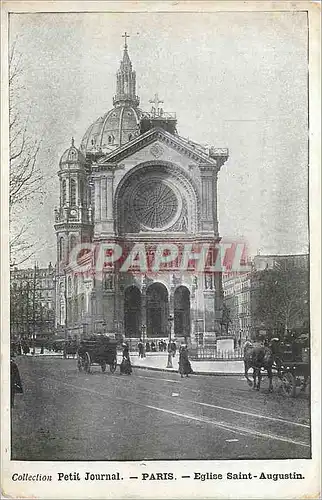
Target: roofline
x=146 y=135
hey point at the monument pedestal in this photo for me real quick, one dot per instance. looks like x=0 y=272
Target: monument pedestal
x=225 y=343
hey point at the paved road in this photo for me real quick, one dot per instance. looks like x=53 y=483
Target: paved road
x=66 y=415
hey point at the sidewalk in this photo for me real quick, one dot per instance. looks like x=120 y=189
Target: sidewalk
x=157 y=361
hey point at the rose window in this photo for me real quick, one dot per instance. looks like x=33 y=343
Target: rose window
x=155 y=204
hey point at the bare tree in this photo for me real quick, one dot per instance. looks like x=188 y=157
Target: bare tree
x=283 y=297
x=25 y=176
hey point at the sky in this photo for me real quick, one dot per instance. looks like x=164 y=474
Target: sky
x=234 y=79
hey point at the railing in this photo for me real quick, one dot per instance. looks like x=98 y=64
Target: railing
x=212 y=353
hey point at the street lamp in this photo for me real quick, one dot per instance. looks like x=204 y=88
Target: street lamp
x=169 y=363
x=143 y=330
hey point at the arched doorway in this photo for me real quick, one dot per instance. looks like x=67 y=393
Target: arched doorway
x=157 y=310
x=132 y=312
x=182 y=323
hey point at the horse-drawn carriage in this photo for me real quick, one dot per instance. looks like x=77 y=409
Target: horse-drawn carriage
x=287 y=365
x=292 y=367
x=67 y=347
x=97 y=350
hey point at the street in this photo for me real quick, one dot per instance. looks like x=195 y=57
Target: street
x=151 y=415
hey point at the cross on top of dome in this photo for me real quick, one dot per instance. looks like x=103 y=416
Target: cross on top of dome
x=155 y=109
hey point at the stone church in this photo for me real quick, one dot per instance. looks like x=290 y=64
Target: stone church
x=133 y=180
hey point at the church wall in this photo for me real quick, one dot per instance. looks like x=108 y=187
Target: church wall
x=98 y=303
x=146 y=154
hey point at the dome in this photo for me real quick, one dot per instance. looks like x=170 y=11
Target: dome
x=117 y=127
x=72 y=155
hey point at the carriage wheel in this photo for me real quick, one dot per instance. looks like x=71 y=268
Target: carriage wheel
x=289 y=384
x=103 y=366
x=87 y=363
x=79 y=363
x=113 y=366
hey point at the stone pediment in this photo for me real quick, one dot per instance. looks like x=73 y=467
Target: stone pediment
x=191 y=150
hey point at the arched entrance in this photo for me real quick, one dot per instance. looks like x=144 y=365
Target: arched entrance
x=182 y=323
x=132 y=312
x=157 y=310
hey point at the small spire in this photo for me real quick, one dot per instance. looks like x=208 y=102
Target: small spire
x=126 y=80
x=73 y=142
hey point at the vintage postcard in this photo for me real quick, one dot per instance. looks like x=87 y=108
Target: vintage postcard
x=160 y=327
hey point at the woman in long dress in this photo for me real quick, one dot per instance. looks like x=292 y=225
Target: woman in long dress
x=15 y=381
x=126 y=367
x=184 y=363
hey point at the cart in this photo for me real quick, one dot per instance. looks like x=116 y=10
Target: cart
x=67 y=347
x=97 y=350
x=293 y=369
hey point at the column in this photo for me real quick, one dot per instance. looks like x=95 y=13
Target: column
x=109 y=195
x=214 y=202
x=97 y=181
x=67 y=190
x=103 y=198
x=218 y=299
x=207 y=196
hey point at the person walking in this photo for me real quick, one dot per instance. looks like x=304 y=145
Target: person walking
x=126 y=367
x=184 y=363
x=15 y=382
x=140 y=348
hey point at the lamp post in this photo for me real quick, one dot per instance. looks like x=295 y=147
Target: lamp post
x=169 y=363
x=143 y=330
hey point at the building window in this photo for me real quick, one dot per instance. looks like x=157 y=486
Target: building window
x=75 y=285
x=108 y=281
x=81 y=192
x=61 y=248
x=72 y=192
x=63 y=192
x=73 y=241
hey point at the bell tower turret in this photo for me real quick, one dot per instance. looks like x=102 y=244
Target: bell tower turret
x=73 y=217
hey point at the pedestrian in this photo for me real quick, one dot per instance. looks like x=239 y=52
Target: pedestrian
x=15 y=382
x=140 y=348
x=152 y=346
x=184 y=363
x=125 y=367
x=25 y=347
x=173 y=348
x=147 y=347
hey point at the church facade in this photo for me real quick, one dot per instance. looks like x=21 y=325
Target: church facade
x=135 y=183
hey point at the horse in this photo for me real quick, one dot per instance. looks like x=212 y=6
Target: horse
x=258 y=357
